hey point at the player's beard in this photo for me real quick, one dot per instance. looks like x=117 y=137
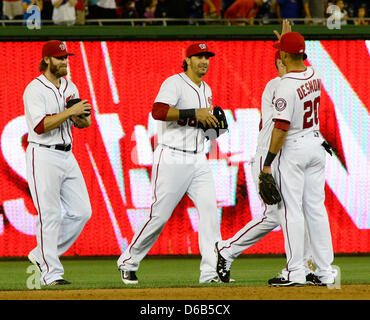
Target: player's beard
x=58 y=71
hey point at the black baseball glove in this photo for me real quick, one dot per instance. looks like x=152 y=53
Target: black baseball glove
x=72 y=102
x=212 y=133
x=267 y=189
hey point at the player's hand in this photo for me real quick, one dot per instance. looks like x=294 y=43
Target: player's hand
x=81 y=121
x=286 y=27
x=205 y=116
x=82 y=108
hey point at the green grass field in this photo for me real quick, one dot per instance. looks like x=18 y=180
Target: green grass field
x=157 y=272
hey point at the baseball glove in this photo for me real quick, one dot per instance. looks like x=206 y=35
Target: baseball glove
x=268 y=189
x=72 y=102
x=212 y=133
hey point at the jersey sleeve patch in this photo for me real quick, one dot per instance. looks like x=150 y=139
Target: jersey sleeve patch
x=280 y=104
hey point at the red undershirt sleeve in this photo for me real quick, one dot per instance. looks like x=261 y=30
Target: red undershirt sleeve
x=281 y=124
x=160 y=110
x=39 y=129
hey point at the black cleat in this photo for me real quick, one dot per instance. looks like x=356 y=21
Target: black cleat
x=313 y=280
x=129 y=277
x=215 y=280
x=281 y=282
x=223 y=266
x=59 y=282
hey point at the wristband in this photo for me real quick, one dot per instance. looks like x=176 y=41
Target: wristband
x=187 y=113
x=269 y=158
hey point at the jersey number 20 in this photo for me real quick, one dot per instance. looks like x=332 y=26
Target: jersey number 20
x=311 y=115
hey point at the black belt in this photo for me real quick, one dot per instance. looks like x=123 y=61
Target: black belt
x=61 y=147
x=194 y=152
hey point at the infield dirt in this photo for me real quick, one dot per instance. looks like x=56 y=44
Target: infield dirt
x=346 y=292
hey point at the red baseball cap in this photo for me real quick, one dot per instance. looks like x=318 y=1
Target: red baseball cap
x=197 y=48
x=292 y=42
x=55 y=48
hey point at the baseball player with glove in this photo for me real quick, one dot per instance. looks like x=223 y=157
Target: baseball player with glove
x=228 y=250
x=183 y=110
x=53 y=174
x=297 y=145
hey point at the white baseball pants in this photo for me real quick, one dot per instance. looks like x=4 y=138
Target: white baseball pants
x=175 y=173
x=301 y=178
x=260 y=226
x=54 y=178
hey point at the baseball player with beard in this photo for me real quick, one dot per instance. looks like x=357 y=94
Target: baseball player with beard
x=180 y=165
x=228 y=250
x=53 y=174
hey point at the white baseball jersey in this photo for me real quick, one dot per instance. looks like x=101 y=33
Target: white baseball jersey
x=176 y=173
x=179 y=92
x=267 y=112
x=41 y=98
x=53 y=176
x=300 y=176
x=297 y=101
x=263 y=224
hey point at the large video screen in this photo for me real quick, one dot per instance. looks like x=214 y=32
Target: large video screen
x=121 y=80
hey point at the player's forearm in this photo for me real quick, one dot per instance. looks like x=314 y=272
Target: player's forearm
x=173 y=114
x=277 y=140
x=54 y=121
x=164 y=112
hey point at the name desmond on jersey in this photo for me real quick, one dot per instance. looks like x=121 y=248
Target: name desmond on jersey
x=309 y=87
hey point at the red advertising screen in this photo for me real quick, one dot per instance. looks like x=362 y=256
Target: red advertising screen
x=121 y=80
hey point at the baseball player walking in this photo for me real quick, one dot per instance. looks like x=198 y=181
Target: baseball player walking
x=228 y=250
x=53 y=174
x=180 y=165
x=300 y=174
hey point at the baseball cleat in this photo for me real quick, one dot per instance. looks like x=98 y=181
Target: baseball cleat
x=281 y=282
x=33 y=260
x=59 y=282
x=313 y=280
x=223 y=266
x=129 y=277
x=215 y=279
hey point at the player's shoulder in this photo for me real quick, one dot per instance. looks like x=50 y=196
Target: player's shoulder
x=172 y=81
x=34 y=84
x=175 y=78
x=273 y=83
x=36 y=81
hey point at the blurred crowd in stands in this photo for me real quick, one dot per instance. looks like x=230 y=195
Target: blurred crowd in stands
x=76 y=12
